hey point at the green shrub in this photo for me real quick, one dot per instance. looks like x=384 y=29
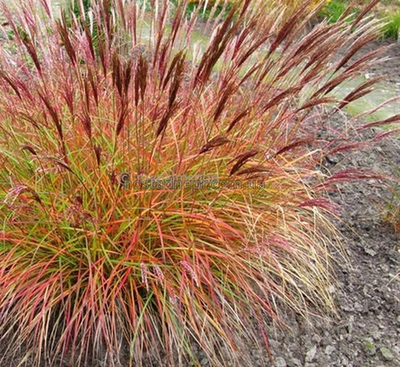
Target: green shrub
x=392 y=27
x=336 y=9
x=88 y=259
x=393 y=206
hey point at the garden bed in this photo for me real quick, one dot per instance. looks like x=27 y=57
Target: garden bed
x=365 y=332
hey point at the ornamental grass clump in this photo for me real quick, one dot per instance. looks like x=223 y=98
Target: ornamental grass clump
x=96 y=262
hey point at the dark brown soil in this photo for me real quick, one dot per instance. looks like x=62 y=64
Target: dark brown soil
x=368 y=299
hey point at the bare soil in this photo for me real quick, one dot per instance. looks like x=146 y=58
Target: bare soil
x=390 y=69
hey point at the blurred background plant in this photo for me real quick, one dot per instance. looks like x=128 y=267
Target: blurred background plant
x=335 y=9
x=332 y=10
x=214 y=7
x=392 y=27
x=393 y=206
x=388 y=11
x=87 y=266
